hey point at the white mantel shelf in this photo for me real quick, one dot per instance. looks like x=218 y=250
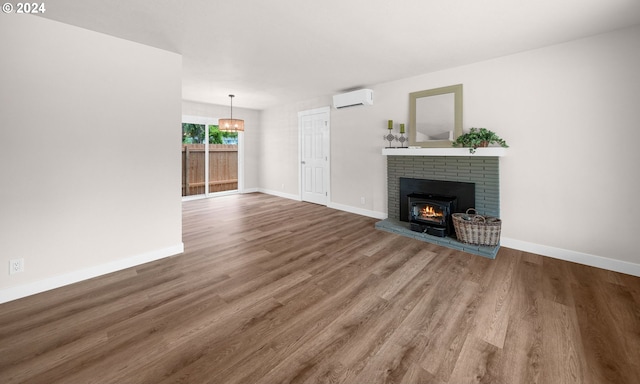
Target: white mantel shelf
x=480 y=152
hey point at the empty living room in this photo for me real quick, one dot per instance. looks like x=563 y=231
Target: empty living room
x=345 y=191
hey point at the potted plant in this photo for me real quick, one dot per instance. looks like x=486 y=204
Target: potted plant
x=478 y=137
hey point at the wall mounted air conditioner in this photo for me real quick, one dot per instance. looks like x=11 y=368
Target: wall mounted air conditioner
x=352 y=99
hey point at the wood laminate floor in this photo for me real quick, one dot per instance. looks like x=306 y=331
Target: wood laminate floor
x=271 y=290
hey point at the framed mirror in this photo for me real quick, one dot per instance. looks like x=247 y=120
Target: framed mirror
x=435 y=116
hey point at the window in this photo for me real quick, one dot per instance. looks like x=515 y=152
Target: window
x=209 y=158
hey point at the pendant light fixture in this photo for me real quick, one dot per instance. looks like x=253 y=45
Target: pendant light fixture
x=231 y=125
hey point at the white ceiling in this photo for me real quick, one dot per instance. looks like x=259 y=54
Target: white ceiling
x=269 y=52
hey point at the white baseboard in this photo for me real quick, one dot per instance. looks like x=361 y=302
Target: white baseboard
x=53 y=282
x=279 y=194
x=340 y=207
x=576 y=257
x=358 y=211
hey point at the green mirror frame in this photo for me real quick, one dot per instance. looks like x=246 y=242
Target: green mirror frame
x=435 y=116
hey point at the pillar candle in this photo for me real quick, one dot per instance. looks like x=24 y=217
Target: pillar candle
x=401 y=128
x=390 y=124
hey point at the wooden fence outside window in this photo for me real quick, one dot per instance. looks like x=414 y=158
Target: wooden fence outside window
x=223 y=168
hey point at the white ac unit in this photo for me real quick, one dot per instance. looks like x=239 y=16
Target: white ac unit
x=352 y=99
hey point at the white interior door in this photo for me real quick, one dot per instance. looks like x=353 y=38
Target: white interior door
x=314 y=155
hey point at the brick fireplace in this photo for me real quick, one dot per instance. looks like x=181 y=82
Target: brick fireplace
x=448 y=164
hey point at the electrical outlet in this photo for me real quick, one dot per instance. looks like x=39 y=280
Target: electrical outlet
x=362 y=200
x=16 y=266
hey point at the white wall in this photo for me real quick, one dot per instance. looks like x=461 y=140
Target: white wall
x=278 y=168
x=251 y=119
x=89 y=154
x=570 y=114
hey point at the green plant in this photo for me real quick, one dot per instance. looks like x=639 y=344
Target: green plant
x=478 y=137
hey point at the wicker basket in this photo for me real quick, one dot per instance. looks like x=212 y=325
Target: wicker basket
x=476 y=229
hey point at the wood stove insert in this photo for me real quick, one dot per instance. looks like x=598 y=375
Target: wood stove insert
x=428 y=204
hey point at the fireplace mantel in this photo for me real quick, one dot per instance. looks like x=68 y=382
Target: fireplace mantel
x=480 y=152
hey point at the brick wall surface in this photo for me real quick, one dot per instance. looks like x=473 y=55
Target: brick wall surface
x=483 y=171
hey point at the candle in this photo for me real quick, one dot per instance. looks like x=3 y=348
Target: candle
x=390 y=124
x=401 y=128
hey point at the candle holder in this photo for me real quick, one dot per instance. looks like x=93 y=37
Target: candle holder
x=390 y=137
x=402 y=140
